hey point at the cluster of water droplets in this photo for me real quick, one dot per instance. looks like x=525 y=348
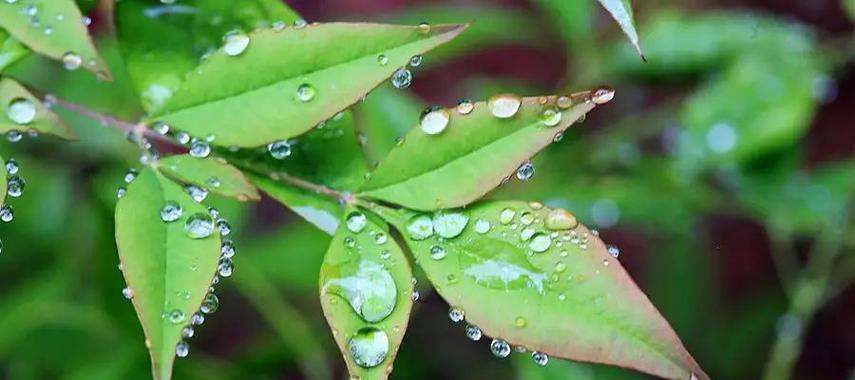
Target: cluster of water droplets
x=14 y=189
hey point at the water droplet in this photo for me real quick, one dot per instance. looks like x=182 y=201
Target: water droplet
x=182 y=137
x=199 y=226
x=527 y=233
x=560 y=219
x=550 y=117
x=614 y=251
x=437 y=252
x=500 y=348
x=224 y=227
x=7 y=213
x=564 y=102
x=381 y=238
x=415 y=60
x=368 y=347
x=128 y=293
x=305 y=92
x=86 y=20
x=540 y=243
x=227 y=249
x=520 y=322
x=482 y=226
x=539 y=358
x=504 y=106
x=278 y=25
x=525 y=171
x=382 y=59
x=367 y=286
x=199 y=148
x=349 y=241
x=465 y=107
x=449 y=224
x=402 y=78
x=21 y=111
x=210 y=304
x=71 y=61
x=415 y=296
x=420 y=227
x=300 y=24
x=12 y=166
x=434 y=120
x=424 y=28
x=171 y=211
x=473 y=333
x=213 y=182
x=456 y=315
x=182 y=349
x=526 y=218
x=121 y=191
x=130 y=175
x=235 y=42
x=15 y=186
x=197 y=319
x=356 y=222
x=507 y=216
x=225 y=268
x=187 y=332
x=197 y=193
x=603 y=95
x=279 y=149
x=14 y=136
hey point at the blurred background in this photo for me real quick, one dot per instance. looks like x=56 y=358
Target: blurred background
x=724 y=171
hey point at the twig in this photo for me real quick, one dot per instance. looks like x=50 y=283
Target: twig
x=138 y=129
x=313 y=187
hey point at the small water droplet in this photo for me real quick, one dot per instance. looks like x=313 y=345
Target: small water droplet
x=424 y=28
x=614 y=251
x=130 y=175
x=437 y=252
x=235 y=42
x=7 y=213
x=402 y=78
x=21 y=111
x=420 y=227
x=279 y=149
x=223 y=227
x=278 y=25
x=539 y=358
x=305 y=92
x=71 y=61
x=449 y=224
x=128 y=293
x=356 y=222
x=199 y=226
x=507 y=216
x=197 y=193
x=550 y=117
x=182 y=137
x=12 y=166
x=520 y=322
x=225 y=268
x=197 y=319
x=187 y=332
x=415 y=296
x=227 y=249
x=434 y=120
x=171 y=211
x=300 y=23
x=504 y=106
x=14 y=136
x=381 y=238
x=176 y=316
x=500 y=348
x=473 y=333
x=456 y=315
x=560 y=267
x=564 y=102
x=210 y=304
x=415 y=60
x=200 y=148
x=182 y=349
x=525 y=171
x=482 y=226
x=120 y=192
x=540 y=243
x=560 y=219
x=368 y=347
x=382 y=59
x=465 y=107
x=603 y=95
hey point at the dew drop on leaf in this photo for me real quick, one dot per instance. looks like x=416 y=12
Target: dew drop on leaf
x=300 y=24
x=176 y=316
x=564 y=102
x=449 y=224
x=368 y=347
x=12 y=166
x=182 y=137
x=382 y=59
x=356 y=221
x=199 y=226
x=550 y=117
x=434 y=120
x=130 y=175
x=437 y=252
x=507 y=215
x=128 y=293
x=473 y=333
x=525 y=171
x=235 y=42
x=527 y=233
x=559 y=219
x=420 y=227
x=209 y=305
x=14 y=136
x=539 y=358
x=504 y=106
x=120 y=192
x=170 y=212
x=424 y=28
x=402 y=78
x=380 y=238
x=482 y=226
x=182 y=349
x=603 y=95
x=456 y=315
x=305 y=92
x=465 y=107
x=223 y=227
x=367 y=286
x=197 y=193
x=279 y=149
x=614 y=251
x=278 y=25
x=540 y=243
x=500 y=348
x=415 y=60
x=21 y=111
x=200 y=148
x=71 y=61
x=197 y=319
x=225 y=268
x=227 y=249
x=7 y=213
x=187 y=332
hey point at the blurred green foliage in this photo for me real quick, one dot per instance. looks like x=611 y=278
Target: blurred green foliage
x=713 y=125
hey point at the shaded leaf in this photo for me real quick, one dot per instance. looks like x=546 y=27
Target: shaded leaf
x=572 y=19
x=257 y=90
x=318 y=209
x=213 y=174
x=472 y=155
x=67 y=33
x=621 y=11
x=10 y=50
x=16 y=102
x=557 y=287
x=366 y=286
x=193 y=29
x=168 y=272
x=3 y=181
x=384 y=116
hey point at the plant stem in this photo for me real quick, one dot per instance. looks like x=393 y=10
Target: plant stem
x=313 y=187
x=138 y=129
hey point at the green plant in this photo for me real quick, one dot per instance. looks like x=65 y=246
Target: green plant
x=268 y=109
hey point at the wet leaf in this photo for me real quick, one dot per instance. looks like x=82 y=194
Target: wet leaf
x=60 y=34
x=318 y=209
x=10 y=50
x=471 y=156
x=366 y=293
x=384 y=116
x=168 y=272
x=213 y=174
x=3 y=181
x=23 y=112
x=257 y=87
x=621 y=11
x=534 y=277
x=193 y=28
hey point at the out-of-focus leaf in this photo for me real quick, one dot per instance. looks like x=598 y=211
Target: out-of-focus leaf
x=290 y=257
x=557 y=287
x=192 y=28
x=318 y=209
x=167 y=270
x=473 y=152
x=3 y=179
x=61 y=34
x=621 y=11
x=274 y=94
x=849 y=6
x=572 y=19
x=385 y=115
x=23 y=112
x=10 y=50
x=213 y=174
x=366 y=292
x=489 y=26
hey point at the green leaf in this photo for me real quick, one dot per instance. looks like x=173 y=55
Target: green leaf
x=384 y=116
x=18 y=104
x=214 y=174
x=849 y=7
x=572 y=19
x=257 y=89
x=10 y=50
x=621 y=11
x=366 y=293
x=168 y=271
x=3 y=181
x=193 y=28
x=533 y=277
x=318 y=209
x=474 y=153
x=68 y=34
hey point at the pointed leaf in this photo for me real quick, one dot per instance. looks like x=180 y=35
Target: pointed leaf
x=366 y=293
x=61 y=31
x=214 y=174
x=621 y=11
x=251 y=99
x=533 y=277
x=319 y=210
x=10 y=50
x=24 y=112
x=168 y=272
x=156 y=68
x=474 y=153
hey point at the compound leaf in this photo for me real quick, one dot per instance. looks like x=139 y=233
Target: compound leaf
x=24 y=112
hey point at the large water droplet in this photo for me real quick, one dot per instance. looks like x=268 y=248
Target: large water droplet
x=368 y=347
x=525 y=171
x=434 y=120
x=559 y=219
x=279 y=149
x=305 y=92
x=500 y=348
x=367 y=287
x=210 y=304
x=199 y=226
x=496 y=264
x=504 y=106
x=200 y=148
x=21 y=111
x=356 y=222
x=402 y=78
x=540 y=243
x=235 y=42
x=420 y=227
x=171 y=211
x=449 y=224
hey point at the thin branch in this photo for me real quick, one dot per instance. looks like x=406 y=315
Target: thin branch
x=138 y=129
x=313 y=187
